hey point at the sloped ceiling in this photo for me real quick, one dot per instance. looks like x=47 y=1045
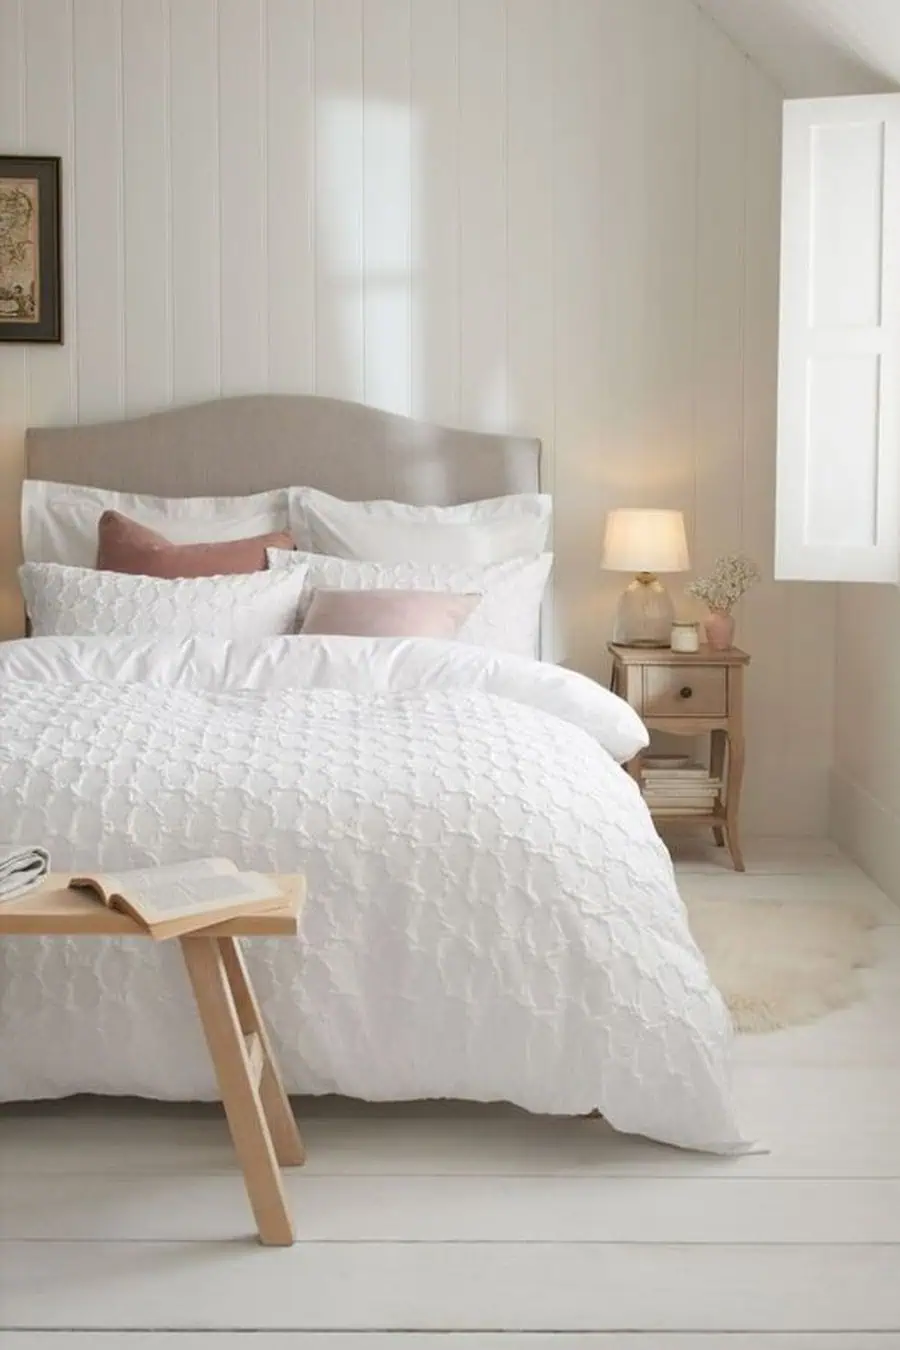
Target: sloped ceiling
x=817 y=47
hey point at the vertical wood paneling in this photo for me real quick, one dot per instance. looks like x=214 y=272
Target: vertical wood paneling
x=529 y=259
x=773 y=787
x=483 y=213
x=147 y=195
x=196 y=244
x=529 y=253
x=720 y=297
x=580 y=276
x=435 y=220
x=340 y=226
x=242 y=184
x=290 y=184
x=99 y=262
x=48 y=131
x=387 y=164
x=665 y=412
x=13 y=393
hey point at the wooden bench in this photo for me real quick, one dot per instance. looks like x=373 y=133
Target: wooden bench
x=262 y=1124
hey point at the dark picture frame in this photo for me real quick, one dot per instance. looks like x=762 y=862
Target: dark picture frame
x=30 y=249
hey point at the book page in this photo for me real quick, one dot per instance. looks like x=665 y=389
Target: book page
x=160 y=893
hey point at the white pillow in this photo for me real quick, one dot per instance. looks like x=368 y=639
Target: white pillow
x=383 y=531
x=81 y=602
x=507 y=619
x=59 y=520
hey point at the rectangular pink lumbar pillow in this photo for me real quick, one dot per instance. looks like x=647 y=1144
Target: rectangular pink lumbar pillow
x=387 y=613
x=124 y=545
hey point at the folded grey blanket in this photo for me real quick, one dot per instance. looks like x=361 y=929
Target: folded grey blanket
x=21 y=866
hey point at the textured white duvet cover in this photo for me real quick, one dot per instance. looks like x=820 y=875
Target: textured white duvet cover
x=491 y=913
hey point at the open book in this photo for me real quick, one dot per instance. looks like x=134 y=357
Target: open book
x=182 y=897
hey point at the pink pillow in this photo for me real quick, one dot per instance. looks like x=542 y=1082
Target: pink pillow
x=124 y=545
x=434 y=614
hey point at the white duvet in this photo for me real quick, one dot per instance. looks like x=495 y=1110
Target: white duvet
x=491 y=914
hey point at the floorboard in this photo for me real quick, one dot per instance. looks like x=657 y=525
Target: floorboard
x=415 y=1340
x=172 y=1207
x=480 y=1286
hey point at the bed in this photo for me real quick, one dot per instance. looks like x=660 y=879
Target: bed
x=492 y=915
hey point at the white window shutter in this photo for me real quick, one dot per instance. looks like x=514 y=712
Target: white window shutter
x=838 y=478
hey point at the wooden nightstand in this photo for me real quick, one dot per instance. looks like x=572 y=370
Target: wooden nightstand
x=690 y=694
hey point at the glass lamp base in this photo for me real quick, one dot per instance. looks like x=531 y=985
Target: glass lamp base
x=645 y=613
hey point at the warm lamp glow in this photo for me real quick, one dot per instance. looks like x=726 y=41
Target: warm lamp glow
x=640 y=540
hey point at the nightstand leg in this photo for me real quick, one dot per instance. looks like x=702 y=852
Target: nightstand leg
x=717 y=770
x=733 y=799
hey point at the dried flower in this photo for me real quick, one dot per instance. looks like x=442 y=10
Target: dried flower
x=730 y=578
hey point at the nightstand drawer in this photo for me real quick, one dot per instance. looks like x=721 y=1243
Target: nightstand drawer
x=685 y=691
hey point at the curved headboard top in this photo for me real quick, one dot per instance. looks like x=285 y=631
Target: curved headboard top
x=236 y=446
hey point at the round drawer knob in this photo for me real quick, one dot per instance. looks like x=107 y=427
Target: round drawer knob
x=685 y=691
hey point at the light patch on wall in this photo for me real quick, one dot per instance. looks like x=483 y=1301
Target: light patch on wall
x=369 y=277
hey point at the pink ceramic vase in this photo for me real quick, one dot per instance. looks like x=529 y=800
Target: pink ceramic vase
x=719 y=630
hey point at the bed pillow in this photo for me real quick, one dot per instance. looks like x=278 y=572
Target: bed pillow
x=507 y=619
x=387 y=613
x=60 y=521
x=125 y=545
x=384 y=531
x=82 y=602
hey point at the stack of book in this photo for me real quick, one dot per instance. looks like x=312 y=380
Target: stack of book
x=675 y=786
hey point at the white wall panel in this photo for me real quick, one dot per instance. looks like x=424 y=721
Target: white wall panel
x=340 y=190
x=243 y=52
x=146 y=133
x=290 y=187
x=581 y=271
x=719 y=333
x=529 y=244
x=196 y=238
x=560 y=218
x=483 y=212
x=435 y=216
x=388 y=279
x=99 y=207
x=14 y=412
x=48 y=128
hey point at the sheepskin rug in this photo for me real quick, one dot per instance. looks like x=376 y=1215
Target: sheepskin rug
x=779 y=963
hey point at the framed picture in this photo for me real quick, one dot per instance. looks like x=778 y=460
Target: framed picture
x=30 y=279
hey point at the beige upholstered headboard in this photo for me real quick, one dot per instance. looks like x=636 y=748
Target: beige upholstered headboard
x=236 y=446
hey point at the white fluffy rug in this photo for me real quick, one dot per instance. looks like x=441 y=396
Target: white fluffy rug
x=777 y=962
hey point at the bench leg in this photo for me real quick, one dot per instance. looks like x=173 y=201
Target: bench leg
x=282 y=1125
x=236 y=1077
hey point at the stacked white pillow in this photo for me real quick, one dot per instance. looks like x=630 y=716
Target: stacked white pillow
x=59 y=520
x=488 y=531
x=82 y=602
x=507 y=618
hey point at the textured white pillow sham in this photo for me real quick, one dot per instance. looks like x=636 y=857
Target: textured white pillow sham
x=508 y=618
x=488 y=531
x=59 y=520
x=81 y=602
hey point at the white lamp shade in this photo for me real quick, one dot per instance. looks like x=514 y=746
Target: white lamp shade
x=640 y=540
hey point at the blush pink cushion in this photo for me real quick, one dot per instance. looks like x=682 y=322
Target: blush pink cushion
x=124 y=545
x=433 y=614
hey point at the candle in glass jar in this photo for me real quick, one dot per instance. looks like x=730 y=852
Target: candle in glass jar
x=685 y=637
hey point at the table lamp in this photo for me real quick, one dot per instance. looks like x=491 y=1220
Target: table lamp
x=645 y=542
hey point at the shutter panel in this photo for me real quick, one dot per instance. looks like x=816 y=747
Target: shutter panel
x=838 y=477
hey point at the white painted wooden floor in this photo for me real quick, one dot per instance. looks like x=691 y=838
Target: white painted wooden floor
x=453 y=1227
